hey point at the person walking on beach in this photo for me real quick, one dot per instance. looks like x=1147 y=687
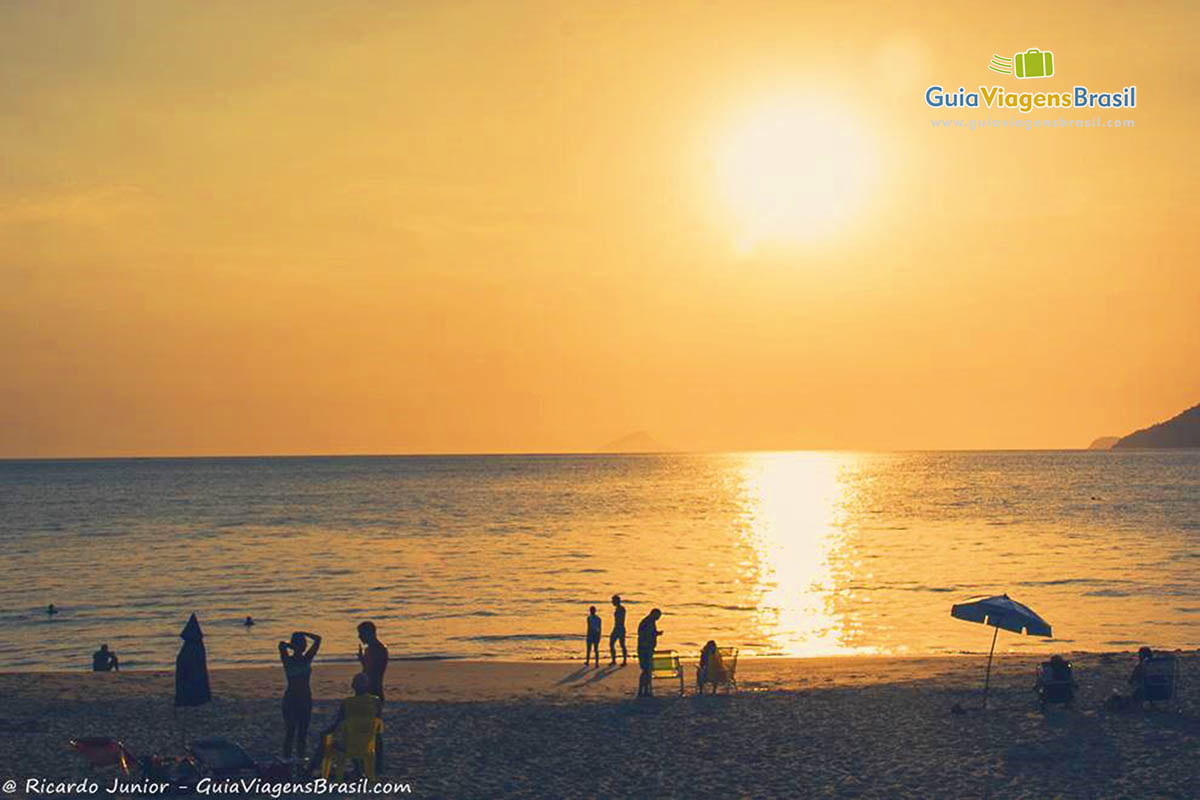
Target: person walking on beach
x=618 y=632
x=647 y=641
x=593 y=637
x=297 y=697
x=105 y=660
x=374 y=662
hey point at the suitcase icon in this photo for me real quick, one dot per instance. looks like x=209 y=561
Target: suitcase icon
x=1034 y=63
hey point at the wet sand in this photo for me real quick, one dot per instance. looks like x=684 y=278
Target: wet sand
x=828 y=727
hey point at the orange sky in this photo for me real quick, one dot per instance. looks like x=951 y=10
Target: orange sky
x=474 y=227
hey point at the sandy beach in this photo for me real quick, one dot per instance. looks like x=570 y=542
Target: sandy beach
x=824 y=727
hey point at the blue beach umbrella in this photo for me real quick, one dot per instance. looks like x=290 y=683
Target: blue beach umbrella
x=1000 y=611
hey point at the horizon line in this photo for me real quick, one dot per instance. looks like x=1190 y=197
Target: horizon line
x=497 y=453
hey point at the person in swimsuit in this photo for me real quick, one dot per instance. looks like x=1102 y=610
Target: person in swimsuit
x=297 y=698
x=618 y=632
x=374 y=660
x=593 y=637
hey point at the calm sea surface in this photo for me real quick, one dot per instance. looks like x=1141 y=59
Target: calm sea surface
x=499 y=556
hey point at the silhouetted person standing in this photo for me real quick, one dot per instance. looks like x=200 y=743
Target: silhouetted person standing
x=618 y=631
x=593 y=637
x=297 y=698
x=647 y=641
x=374 y=660
x=105 y=660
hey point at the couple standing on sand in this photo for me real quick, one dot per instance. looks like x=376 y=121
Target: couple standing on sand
x=297 y=656
x=617 y=634
x=647 y=641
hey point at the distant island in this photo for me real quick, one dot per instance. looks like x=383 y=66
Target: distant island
x=636 y=442
x=1179 y=431
x=1104 y=443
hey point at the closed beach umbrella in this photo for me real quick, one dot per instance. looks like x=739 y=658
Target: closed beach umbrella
x=1000 y=611
x=191 y=667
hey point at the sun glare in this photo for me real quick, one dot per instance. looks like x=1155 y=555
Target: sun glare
x=795 y=504
x=793 y=169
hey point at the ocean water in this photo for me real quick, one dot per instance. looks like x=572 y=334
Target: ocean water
x=807 y=553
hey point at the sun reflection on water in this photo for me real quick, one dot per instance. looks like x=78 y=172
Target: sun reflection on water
x=795 y=522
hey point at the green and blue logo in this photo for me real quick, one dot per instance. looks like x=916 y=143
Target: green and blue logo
x=1033 y=63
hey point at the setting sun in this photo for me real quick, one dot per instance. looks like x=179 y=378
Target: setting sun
x=792 y=169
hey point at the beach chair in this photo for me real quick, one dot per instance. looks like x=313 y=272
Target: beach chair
x=728 y=678
x=1051 y=689
x=100 y=752
x=221 y=758
x=359 y=730
x=665 y=664
x=1159 y=674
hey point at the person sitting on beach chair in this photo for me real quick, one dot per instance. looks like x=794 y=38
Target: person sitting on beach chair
x=1055 y=682
x=716 y=667
x=1135 y=677
x=1153 y=679
x=353 y=733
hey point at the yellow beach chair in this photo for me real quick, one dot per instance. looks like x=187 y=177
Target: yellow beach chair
x=358 y=732
x=666 y=664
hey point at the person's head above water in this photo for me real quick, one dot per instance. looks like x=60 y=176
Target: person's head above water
x=616 y=599
x=366 y=632
x=360 y=683
x=1144 y=653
